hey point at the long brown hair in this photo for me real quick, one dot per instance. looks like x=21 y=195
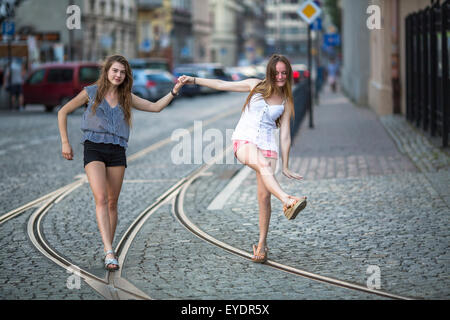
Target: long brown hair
x=268 y=86
x=123 y=90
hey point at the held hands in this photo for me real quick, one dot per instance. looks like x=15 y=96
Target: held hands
x=178 y=86
x=186 y=79
x=291 y=175
x=67 y=152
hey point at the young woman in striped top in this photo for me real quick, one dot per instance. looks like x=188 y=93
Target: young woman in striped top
x=106 y=127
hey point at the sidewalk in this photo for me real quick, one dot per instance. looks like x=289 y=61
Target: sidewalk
x=355 y=143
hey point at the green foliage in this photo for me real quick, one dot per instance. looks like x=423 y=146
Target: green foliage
x=333 y=10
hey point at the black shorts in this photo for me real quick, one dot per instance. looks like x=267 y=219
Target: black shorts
x=112 y=155
x=15 y=90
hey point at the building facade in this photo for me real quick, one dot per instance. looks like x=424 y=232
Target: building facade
x=356 y=53
x=286 y=32
x=374 y=60
x=223 y=31
x=165 y=30
x=252 y=41
x=224 y=38
x=107 y=27
x=202 y=22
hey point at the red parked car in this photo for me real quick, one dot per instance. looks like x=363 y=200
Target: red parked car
x=300 y=72
x=54 y=84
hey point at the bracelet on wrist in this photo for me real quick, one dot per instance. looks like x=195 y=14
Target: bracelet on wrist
x=173 y=93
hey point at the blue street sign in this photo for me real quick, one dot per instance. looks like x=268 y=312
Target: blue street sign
x=332 y=39
x=8 y=28
x=146 y=45
x=317 y=25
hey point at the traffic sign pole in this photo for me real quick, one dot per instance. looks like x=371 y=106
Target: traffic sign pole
x=310 y=109
x=309 y=12
x=10 y=70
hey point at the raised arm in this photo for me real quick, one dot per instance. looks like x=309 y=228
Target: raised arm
x=81 y=99
x=239 y=86
x=148 y=106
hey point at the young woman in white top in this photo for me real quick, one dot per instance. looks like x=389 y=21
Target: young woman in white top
x=268 y=106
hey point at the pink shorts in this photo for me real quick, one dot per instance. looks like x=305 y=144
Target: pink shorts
x=266 y=153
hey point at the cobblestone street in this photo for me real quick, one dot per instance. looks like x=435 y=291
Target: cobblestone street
x=375 y=198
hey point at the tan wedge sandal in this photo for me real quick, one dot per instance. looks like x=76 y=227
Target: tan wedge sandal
x=258 y=257
x=292 y=211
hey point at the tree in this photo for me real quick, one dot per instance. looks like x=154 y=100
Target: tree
x=334 y=11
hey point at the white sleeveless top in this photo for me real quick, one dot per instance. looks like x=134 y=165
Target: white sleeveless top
x=257 y=123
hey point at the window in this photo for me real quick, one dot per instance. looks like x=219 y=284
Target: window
x=102 y=8
x=89 y=74
x=60 y=75
x=37 y=77
x=159 y=78
x=219 y=72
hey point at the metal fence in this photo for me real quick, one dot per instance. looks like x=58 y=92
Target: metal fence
x=427 y=69
x=300 y=95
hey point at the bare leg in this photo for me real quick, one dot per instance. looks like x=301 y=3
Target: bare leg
x=265 y=209
x=114 y=177
x=96 y=173
x=249 y=155
x=21 y=101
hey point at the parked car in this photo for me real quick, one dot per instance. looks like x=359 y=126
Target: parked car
x=152 y=84
x=55 y=84
x=189 y=90
x=245 y=72
x=299 y=72
x=236 y=73
x=150 y=63
x=208 y=70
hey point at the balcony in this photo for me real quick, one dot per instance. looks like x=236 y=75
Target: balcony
x=149 y=4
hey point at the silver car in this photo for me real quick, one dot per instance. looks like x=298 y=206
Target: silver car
x=152 y=84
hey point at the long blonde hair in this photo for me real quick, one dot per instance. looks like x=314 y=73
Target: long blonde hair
x=268 y=86
x=123 y=90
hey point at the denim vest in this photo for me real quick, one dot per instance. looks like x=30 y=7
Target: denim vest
x=107 y=125
x=257 y=123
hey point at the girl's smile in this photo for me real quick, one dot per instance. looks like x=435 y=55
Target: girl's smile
x=281 y=74
x=116 y=74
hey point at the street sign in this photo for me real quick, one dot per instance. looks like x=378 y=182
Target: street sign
x=317 y=25
x=309 y=11
x=332 y=39
x=8 y=28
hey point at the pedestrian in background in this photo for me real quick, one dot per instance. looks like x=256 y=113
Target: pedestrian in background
x=106 y=126
x=269 y=105
x=333 y=74
x=15 y=88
